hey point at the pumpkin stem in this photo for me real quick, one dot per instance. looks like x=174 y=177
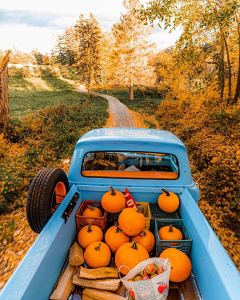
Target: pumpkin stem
x=143 y=233
x=112 y=190
x=90 y=227
x=165 y=191
x=118 y=229
x=170 y=228
x=134 y=246
x=98 y=247
x=91 y=207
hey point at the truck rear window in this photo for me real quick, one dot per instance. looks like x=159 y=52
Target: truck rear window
x=122 y=164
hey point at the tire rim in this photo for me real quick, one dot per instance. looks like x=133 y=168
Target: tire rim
x=58 y=195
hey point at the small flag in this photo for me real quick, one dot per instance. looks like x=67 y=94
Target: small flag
x=129 y=200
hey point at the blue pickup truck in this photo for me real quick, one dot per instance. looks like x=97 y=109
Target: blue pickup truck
x=142 y=160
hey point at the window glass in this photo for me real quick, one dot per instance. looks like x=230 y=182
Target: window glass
x=122 y=164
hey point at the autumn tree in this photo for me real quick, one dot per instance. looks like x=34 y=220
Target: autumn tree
x=4 y=98
x=208 y=21
x=19 y=57
x=64 y=50
x=88 y=35
x=38 y=56
x=237 y=92
x=107 y=67
x=132 y=49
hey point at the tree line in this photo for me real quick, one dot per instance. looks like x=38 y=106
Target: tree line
x=208 y=50
x=203 y=64
x=117 y=58
x=204 y=61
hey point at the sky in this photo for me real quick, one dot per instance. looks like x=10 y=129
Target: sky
x=29 y=24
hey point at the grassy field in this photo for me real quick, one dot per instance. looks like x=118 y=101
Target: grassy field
x=30 y=94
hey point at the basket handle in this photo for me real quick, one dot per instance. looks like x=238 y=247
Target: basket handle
x=120 y=269
x=167 y=260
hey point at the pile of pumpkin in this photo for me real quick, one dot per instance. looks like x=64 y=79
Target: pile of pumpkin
x=131 y=226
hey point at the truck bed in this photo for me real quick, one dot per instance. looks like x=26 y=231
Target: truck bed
x=216 y=275
x=187 y=290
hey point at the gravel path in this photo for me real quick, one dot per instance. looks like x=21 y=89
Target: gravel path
x=121 y=116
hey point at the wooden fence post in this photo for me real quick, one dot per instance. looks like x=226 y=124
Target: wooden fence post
x=4 y=99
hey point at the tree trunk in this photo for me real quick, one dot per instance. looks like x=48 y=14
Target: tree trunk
x=222 y=70
x=4 y=99
x=89 y=75
x=102 y=80
x=229 y=70
x=237 y=93
x=131 y=96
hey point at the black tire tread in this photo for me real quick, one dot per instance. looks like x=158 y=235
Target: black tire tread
x=38 y=194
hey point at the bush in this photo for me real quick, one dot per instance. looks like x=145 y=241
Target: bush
x=147 y=92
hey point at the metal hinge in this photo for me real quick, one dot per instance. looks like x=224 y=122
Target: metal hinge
x=70 y=207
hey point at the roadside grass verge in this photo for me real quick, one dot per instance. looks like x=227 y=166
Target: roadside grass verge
x=30 y=94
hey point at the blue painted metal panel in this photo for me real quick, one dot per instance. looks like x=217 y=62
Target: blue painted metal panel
x=140 y=194
x=120 y=135
x=37 y=273
x=217 y=276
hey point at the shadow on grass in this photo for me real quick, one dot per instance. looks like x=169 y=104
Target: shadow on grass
x=26 y=97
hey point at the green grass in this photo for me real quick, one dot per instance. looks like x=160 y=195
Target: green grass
x=38 y=93
x=139 y=104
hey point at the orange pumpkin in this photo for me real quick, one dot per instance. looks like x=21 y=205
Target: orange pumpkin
x=131 y=221
x=113 y=201
x=97 y=255
x=168 y=201
x=170 y=233
x=130 y=254
x=180 y=264
x=114 y=237
x=89 y=234
x=146 y=239
x=91 y=211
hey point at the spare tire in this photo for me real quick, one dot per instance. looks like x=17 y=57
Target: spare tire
x=46 y=192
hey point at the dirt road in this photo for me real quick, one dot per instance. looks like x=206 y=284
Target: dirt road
x=121 y=116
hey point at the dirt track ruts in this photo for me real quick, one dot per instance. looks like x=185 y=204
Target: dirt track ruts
x=121 y=116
